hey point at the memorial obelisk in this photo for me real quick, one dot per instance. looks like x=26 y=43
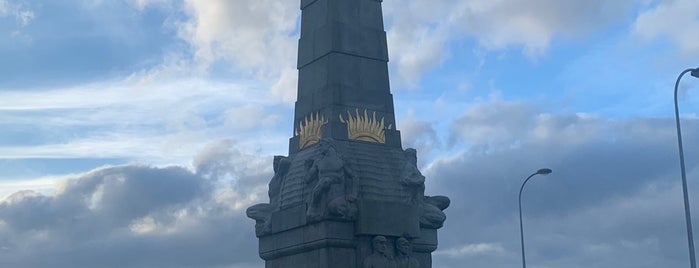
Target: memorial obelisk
x=347 y=195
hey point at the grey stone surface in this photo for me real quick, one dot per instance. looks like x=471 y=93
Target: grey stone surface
x=342 y=63
x=405 y=258
x=380 y=257
x=348 y=194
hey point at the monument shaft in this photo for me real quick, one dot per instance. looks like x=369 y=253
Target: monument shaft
x=342 y=64
x=347 y=195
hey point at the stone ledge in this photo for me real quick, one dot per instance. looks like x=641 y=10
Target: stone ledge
x=306 y=238
x=309 y=246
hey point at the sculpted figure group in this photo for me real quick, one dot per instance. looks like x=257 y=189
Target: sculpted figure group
x=331 y=187
x=382 y=257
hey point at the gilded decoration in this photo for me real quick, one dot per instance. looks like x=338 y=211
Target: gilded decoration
x=310 y=130
x=364 y=128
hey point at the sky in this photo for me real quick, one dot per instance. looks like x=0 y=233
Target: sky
x=135 y=133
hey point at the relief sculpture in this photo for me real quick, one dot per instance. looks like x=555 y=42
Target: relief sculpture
x=333 y=194
x=405 y=259
x=380 y=258
x=431 y=215
x=281 y=167
x=262 y=213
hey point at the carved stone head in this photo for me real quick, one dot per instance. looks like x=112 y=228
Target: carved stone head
x=380 y=244
x=404 y=247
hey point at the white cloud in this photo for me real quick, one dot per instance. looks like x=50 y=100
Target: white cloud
x=416 y=39
x=285 y=87
x=25 y=17
x=675 y=20
x=134 y=92
x=498 y=123
x=23 y=14
x=257 y=36
x=43 y=185
x=143 y=4
x=419 y=134
x=250 y=117
x=532 y=25
x=420 y=31
x=493 y=122
x=3 y=7
x=156 y=120
x=472 y=249
x=224 y=156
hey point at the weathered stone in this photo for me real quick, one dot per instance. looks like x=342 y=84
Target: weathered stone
x=405 y=258
x=347 y=195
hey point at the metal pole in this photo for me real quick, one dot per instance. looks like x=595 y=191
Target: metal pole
x=521 y=229
x=687 y=215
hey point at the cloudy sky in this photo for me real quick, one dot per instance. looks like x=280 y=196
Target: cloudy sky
x=134 y=133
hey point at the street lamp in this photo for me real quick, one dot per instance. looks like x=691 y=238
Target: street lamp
x=687 y=215
x=543 y=171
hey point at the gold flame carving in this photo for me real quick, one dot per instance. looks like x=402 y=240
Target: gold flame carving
x=310 y=130
x=363 y=128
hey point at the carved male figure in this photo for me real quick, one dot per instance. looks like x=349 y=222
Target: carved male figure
x=262 y=213
x=380 y=258
x=334 y=184
x=281 y=167
x=431 y=215
x=405 y=258
x=412 y=178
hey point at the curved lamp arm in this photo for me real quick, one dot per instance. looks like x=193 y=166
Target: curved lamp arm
x=543 y=171
x=687 y=213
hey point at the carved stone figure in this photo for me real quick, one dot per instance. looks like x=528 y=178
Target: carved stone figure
x=281 y=167
x=343 y=207
x=380 y=258
x=412 y=178
x=405 y=258
x=333 y=194
x=261 y=214
x=431 y=215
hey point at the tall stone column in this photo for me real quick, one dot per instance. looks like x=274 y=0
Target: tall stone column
x=348 y=194
x=342 y=64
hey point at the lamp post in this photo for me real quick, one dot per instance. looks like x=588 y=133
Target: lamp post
x=687 y=215
x=543 y=171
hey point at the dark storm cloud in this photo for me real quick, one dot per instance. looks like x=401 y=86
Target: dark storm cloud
x=136 y=216
x=613 y=199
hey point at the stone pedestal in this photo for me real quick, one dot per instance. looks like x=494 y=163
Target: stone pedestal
x=333 y=244
x=319 y=245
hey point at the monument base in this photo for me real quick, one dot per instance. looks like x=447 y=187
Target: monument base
x=333 y=244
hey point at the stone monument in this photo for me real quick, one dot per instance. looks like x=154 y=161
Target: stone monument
x=348 y=195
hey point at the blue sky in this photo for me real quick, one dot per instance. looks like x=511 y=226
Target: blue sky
x=104 y=103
